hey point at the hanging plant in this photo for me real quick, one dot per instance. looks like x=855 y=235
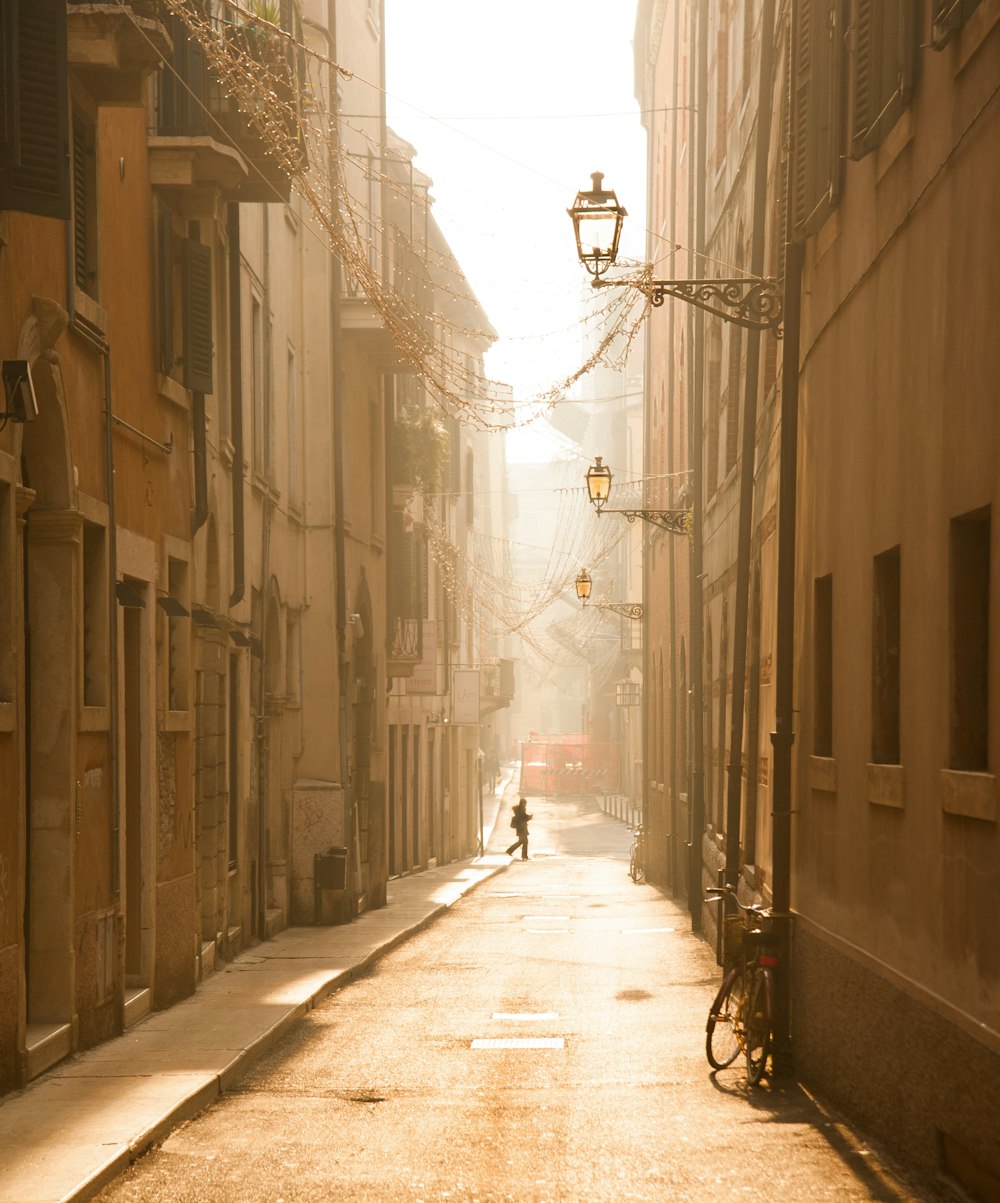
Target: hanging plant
x=420 y=450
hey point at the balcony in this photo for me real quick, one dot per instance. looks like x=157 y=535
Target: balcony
x=404 y=652
x=496 y=683
x=194 y=107
x=407 y=572
x=112 y=48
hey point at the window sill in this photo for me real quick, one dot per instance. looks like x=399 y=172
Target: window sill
x=823 y=774
x=976 y=30
x=895 y=142
x=95 y=315
x=172 y=391
x=94 y=718
x=969 y=795
x=884 y=786
x=176 y=720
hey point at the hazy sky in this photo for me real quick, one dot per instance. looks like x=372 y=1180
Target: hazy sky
x=511 y=107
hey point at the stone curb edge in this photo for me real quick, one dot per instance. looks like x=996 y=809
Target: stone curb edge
x=202 y=1096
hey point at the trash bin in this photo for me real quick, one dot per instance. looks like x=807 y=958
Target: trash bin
x=330 y=868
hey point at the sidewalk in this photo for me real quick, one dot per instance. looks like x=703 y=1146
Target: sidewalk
x=80 y=1125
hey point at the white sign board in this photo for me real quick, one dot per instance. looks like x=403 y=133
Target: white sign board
x=465 y=695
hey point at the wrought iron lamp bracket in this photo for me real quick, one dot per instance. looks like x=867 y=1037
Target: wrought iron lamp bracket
x=752 y=304
x=677 y=522
x=625 y=609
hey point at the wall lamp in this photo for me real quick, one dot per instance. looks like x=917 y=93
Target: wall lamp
x=597 y=220
x=21 y=404
x=598 y=478
x=584 y=585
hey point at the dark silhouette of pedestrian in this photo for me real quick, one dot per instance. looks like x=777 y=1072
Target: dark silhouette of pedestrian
x=519 y=821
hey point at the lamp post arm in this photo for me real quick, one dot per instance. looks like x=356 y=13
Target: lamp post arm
x=751 y=303
x=677 y=522
x=625 y=609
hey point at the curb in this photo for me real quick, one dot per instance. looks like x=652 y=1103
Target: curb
x=216 y=1086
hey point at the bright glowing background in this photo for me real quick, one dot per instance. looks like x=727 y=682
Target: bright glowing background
x=511 y=107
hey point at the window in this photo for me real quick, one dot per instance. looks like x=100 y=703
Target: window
x=885 y=658
x=881 y=69
x=257 y=401
x=947 y=18
x=233 y=758
x=85 y=204
x=8 y=576
x=969 y=573
x=292 y=402
x=95 y=616
x=815 y=133
x=178 y=636
x=196 y=281
x=823 y=666
x=34 y=127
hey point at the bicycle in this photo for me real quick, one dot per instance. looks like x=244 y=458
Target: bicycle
x=637 y=855
x=741 y=1015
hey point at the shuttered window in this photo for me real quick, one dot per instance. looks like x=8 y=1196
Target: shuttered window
x=882 y=65
x=197 y=285
x=165 y=287
x=947 y=18
x=815 y=128
x=84 y=204
x=34 y=134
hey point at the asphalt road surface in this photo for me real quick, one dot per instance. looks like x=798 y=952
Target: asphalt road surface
x=544 y=1040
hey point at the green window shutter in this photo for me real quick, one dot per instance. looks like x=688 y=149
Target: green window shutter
x=81 y=212
x=197 y=283
x=34 y=153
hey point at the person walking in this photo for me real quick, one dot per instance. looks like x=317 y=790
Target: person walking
x=519 y=821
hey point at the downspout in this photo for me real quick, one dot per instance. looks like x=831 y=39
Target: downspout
x=697 y=508
x=337 y=400
x=734 y=796
x=648 y=676
x=236 y=403
x=783 y=736
x=103 y=348
x=671 y=452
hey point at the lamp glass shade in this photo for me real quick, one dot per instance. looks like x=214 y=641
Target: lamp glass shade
x=598 y=482
x=584 y=584
x=597 y=223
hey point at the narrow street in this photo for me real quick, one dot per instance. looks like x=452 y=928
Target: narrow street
x=542 y=1040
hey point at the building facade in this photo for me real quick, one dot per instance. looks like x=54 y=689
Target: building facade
x=839 y=149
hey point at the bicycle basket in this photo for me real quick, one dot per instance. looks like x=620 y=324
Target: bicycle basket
x=733 y=930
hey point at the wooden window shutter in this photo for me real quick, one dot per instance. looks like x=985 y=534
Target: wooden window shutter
x=165 y=282
x=882 y=69
x=82 y=216
x=34 y=153
x=815 y=118
x=197 y=285
x=947 y=18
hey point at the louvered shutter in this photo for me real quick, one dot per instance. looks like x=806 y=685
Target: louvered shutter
x=34 y=155
x=197 y=316
x=815 y=128
x=864 y=109
x=882 y=69
x=165 y=282
x=81 y=211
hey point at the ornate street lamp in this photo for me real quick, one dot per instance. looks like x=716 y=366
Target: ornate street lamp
x=597 y=222
x=584 y=585
x=597 y=218
x=598 y=480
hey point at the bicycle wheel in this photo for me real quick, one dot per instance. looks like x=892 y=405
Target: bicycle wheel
x=723 y=1032
x=633 y=864
x=757 y=1027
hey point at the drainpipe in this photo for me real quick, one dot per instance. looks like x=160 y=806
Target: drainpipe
x=337 y=399
x=103 y=348
x=236 y=403
x=695 y=599
x=783 y=736
x=765 y=84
